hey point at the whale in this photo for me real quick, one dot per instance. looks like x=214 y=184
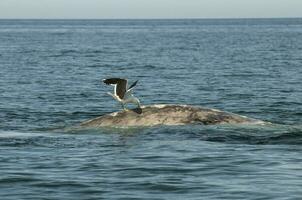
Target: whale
x=167 y=114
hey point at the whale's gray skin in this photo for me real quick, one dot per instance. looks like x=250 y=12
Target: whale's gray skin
x=167 y=115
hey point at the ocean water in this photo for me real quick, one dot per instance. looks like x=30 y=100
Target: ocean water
x=50 y=72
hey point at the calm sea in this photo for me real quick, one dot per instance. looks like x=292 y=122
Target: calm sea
x=50 y=72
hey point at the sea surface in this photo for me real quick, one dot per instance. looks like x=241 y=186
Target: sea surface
x=50 y=81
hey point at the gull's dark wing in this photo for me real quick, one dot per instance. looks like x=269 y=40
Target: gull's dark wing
x=120 y=86
x=112 y=81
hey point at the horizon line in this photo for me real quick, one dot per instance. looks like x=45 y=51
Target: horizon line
x=155 y=18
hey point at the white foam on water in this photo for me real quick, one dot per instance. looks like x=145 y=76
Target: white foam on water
x=15 y=134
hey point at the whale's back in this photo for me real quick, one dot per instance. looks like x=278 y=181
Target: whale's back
x=167 y=115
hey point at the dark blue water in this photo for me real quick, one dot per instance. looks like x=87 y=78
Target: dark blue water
x=50 y=72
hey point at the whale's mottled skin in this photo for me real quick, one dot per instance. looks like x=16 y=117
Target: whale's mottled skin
x=168 y=115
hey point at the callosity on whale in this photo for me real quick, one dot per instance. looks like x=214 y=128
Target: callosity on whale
x=168 y=115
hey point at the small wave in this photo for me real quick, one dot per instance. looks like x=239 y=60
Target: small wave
x=94 y=66
x=59 y=33
x=97 y=51
x=293 y=137
x=18 y=179
x=254 y=134
x=84 y=53
x=59 y=184
x=149 y=67
x=67 y=52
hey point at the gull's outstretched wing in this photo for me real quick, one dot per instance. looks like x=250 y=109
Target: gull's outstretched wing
x=120 y=86
x=132 y=86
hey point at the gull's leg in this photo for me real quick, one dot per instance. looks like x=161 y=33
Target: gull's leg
x=123 y=106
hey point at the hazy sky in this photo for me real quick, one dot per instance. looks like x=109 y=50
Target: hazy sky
x=149 y=8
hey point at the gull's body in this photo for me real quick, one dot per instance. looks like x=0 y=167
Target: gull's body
x=121 y=93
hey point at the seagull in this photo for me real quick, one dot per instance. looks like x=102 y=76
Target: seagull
x=121 y=93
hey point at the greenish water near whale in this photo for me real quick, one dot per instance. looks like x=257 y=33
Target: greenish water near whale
x=50 y=72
